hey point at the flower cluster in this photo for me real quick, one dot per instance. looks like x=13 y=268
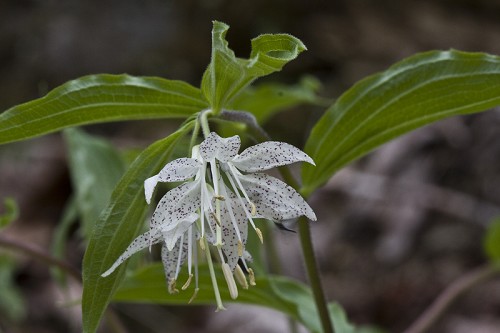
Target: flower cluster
x=221 y=195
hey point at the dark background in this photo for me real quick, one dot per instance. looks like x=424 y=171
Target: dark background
x=394 y=229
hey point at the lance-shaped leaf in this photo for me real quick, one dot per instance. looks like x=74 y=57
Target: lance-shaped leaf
x=228 y=75
x=100 y=98
x=415 y=92
x=117 y=226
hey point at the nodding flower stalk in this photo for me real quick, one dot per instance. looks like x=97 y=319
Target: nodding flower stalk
x=223 y=192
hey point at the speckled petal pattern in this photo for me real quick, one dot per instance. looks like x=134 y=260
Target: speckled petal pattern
x=173 y=234
x=274 y=199
x=268 y=155
x=141 y=242
x=222 y=149
x=179 y=170
x=176 y=205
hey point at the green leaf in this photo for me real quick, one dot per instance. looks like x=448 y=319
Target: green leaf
x=228 y=75
x=339 y=319
x=267 y=99
x=11 y=212
x=415 y=92
x=100 y=98
x=148 y=285
x=116 y=228
x=492 y=241
x=95 y=168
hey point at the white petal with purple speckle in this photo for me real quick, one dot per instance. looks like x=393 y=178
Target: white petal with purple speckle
x=269 y=155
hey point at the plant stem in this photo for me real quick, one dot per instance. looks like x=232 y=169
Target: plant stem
x=41 y=256
x=203 y=121
x=451 y=294
x=312 y=273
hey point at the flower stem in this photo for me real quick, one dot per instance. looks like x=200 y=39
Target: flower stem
x=203 y=120
x=312 y=273
x=449 y=295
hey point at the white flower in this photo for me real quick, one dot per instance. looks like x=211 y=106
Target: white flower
x=225 y=204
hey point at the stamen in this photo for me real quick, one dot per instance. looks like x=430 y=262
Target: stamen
x=240 y=277
x=218 y=240
x=181 y=243
x=190 y=249
x=215 y=286
x=232 y=217
x=220 y=197
x=171 y=286
x=235 y=189
x=259 y=233
x=251 y=277
x=240 y=248
x=202 y=243
x=254 y=209
x=188 y=282
x=228 y=275
x=194 y=295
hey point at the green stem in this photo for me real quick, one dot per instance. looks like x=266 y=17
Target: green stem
x=312 y=273
x=449 y=295
x=203 y=120
x=194 y=136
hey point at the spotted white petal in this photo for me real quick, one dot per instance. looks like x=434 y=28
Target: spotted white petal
x=172 y=233
x=222 y=149
x=179 y=170
x=232 y=213
x=268 y=155
x=274 y=199
x=149 y=187
x=141 y=242
x=171 y=260
x=176 y=205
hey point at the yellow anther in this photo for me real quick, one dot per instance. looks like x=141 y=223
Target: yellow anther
x=188 y=282
x=220 y=197
x=202 y=244
x=254 y=209
x=240 y=248
x=259 y=233
x=251 y=277
x=231 y=284
x=171 y=286
x=240 y=277
x=194 y=295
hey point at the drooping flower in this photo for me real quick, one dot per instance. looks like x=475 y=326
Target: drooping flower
x=221 y=190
